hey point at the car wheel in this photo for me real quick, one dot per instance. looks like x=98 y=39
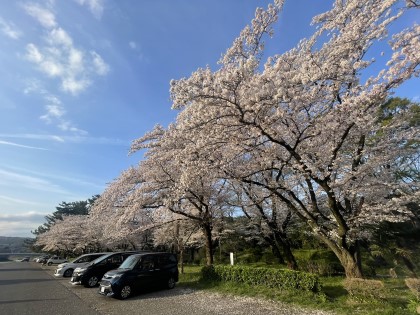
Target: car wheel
x=125 y=292
x=171 y=283
x=68 y=273
x=93 y=281
x=49 y=264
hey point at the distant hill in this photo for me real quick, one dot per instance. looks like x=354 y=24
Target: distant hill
x=14 y=244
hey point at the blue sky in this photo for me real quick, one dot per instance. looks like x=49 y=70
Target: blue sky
x=81 y=79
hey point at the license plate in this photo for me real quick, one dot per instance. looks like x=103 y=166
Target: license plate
x=102 y=289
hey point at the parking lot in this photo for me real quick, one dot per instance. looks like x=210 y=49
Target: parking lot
x=178 y=301
x=31 y=288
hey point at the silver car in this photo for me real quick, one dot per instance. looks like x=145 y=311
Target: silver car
x=66 y=269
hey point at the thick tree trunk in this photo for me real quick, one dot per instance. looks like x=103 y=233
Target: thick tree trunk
x=290 y=258
x=209 y=243
x=348 y=255
x=282 y=250
x=275 y=250
x=351 y=266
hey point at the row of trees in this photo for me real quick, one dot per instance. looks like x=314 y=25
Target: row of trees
x=308 y=136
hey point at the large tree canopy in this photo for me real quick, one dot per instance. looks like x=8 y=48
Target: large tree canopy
x=312 y=133
x=307 y=117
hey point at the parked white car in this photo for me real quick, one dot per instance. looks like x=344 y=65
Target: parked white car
x=55 y=260
x=66 y=269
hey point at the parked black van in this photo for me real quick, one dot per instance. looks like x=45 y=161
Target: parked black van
x=138 y=271
x=90 y=274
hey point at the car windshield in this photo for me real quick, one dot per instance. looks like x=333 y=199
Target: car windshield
x=130 y=262
x=99 y=259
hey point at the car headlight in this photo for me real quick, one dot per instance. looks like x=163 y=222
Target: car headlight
x=80 y=270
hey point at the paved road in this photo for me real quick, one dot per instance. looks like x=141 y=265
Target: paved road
x=29 y=288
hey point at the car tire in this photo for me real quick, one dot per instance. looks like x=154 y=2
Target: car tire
x=171 y=283
x=49 y=264
x=68 y=273
x=92 y=282
x=125 y=292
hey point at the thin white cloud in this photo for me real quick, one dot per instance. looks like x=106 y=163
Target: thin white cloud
x=73 y=139
x=9 y=29
x=68 y=126
x=99 y=64
x=96 y=7
x=44 y=16
x=69 y=179
x=19 y=229
x=21 y=145
x=135 y=47
x=13 y=179
x=59 y=58
x=33 y=54
x=59 y=37
x=34 y=136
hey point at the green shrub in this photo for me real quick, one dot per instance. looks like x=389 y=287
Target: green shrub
x=320 y=261
x=208 y=273
x=269 y=277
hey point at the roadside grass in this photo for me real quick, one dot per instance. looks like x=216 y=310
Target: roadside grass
x=395 y=298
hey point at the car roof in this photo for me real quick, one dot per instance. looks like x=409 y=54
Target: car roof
x=153 y=253
x=90 y=254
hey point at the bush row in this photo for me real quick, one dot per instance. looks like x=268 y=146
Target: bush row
x=269 y=277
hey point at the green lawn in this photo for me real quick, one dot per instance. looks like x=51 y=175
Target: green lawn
x=395 y=298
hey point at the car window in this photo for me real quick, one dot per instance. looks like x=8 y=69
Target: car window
x=162 y=260
x=116 y=259
x=82 y=259
x=92 y=257
x=130 y=263
x=148 y=263
x=172 y=259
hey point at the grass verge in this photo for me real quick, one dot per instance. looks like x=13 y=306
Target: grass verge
x=395 y=298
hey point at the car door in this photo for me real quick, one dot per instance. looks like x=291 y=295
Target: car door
x=161 y=269
x=144 y=272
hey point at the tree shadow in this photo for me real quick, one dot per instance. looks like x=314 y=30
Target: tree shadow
x=21 y=281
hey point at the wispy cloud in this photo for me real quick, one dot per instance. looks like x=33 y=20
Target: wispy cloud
x=59 y=58
x=44 y=16
x=10 y=179
x=34 y=136
x=95 y=6
x=101 y=68
x=69 y=179
x=136 y=47
x=20 y=224
x=28 y=216
x=73 y=139
x=9 y=29
x=21 y=145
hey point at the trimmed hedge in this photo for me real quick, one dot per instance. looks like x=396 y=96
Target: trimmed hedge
x=269 y=277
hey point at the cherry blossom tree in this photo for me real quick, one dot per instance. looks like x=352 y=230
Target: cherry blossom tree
x=65 y=236
x=179 y=234
x=309 y=116
x=269 y=217
x=120 y=216
x=173 y=176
